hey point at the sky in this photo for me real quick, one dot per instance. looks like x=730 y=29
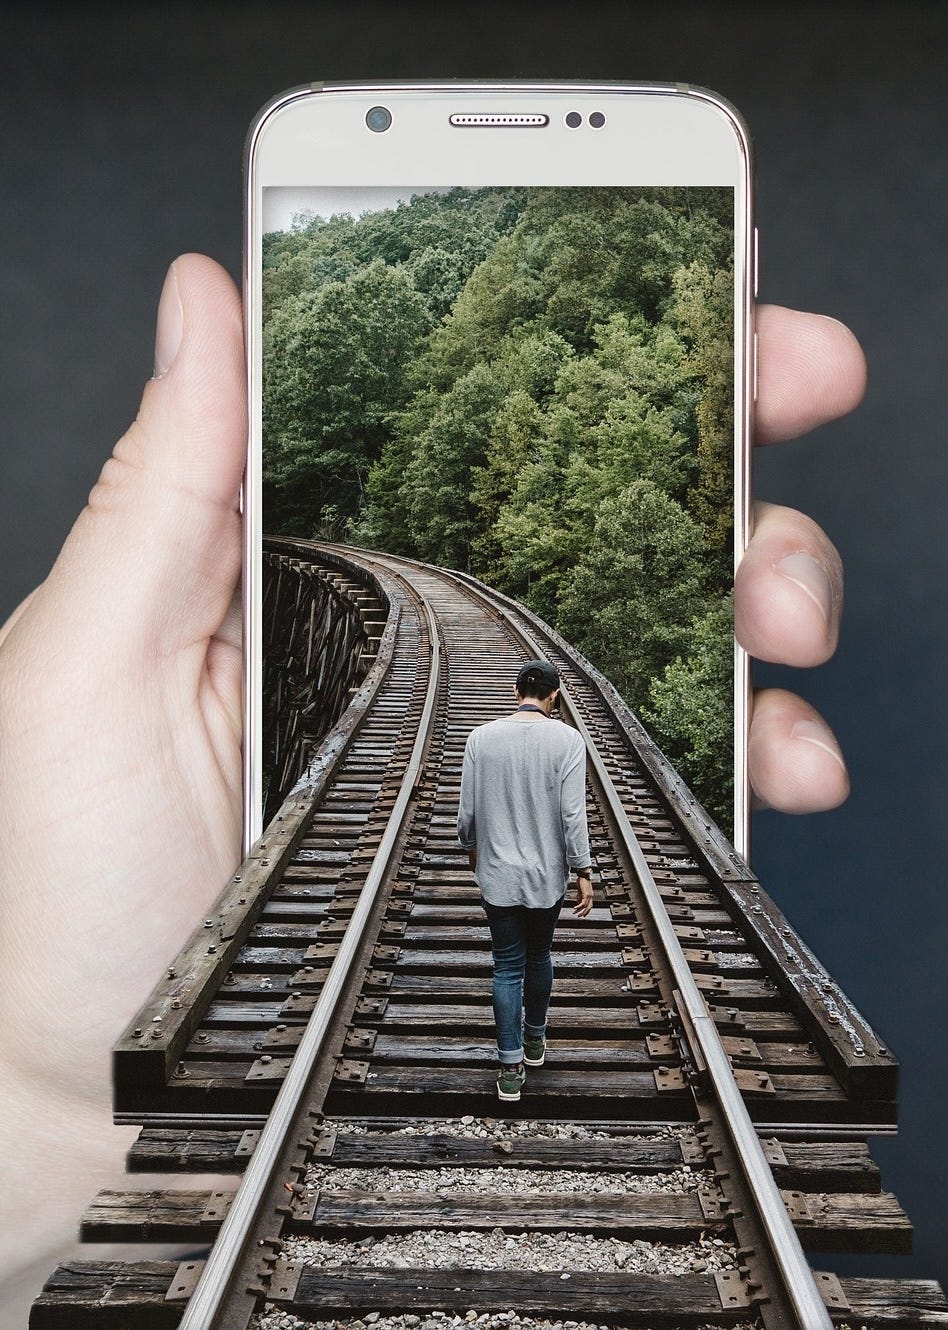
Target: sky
x=281 y=204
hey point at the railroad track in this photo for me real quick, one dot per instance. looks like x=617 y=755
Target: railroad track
x=708 y=1093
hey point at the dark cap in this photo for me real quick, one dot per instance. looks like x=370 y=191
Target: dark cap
x=537 y=672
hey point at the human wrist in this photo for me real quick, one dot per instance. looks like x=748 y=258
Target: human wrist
x=61 y=1146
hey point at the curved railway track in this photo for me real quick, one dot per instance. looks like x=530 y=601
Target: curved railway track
x=707 y=1095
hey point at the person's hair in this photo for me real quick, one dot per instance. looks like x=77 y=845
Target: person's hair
x=533 y=684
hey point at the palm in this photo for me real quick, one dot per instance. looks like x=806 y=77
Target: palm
x=120 y=716
x=129 y=817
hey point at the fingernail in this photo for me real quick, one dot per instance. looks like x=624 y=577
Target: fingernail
x=170 y=324
x=814 y=732
x=810 y=576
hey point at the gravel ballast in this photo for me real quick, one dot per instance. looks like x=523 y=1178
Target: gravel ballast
x=498 y=1181
x=496 y=1249
x=486 y=1128
x=561 y=1252
x=274 y=1319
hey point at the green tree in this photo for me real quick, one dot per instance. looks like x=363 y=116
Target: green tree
x=576 y=257
x=438 y=275
x=630 y=600
x=612 y=417
x=385 y=523
x=511 y=447
x=701 y=310
x=437 y=485
x=289 y=278
x=336 y=363
x=691 y=710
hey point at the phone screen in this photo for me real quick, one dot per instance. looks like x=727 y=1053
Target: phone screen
x=534 y=386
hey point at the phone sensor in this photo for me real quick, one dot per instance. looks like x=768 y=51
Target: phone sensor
x=378 y=119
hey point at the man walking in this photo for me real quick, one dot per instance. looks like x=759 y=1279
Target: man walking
x=522 y=820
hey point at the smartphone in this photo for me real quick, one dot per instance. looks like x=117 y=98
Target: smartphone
x=504 y=329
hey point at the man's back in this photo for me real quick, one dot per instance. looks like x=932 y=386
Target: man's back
x=523 y=807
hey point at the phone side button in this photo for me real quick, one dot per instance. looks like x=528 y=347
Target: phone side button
x=756 y=260
x=755 y=367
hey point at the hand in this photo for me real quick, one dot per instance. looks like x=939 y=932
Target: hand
x=788 y=592
x=120 y=732
x=584 y=895
x=120 y=768
x=472 y=859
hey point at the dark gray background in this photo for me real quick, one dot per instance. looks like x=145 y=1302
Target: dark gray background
x=122 y=143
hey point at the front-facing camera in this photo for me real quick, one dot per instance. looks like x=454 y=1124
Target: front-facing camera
x=378 y=119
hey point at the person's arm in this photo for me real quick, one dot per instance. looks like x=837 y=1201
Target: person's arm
x=575 y=829
x=573 y=806
x=584 y=892
x=466 y=830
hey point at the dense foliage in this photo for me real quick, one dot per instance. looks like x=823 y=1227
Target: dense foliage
x=533 y=385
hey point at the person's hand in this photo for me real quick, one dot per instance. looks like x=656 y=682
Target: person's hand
x=788 y=593
x=472 y=859
x=584 y=895
x=120 y=732
x=120 y=766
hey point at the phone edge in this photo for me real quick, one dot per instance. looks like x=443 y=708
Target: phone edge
x=745 y=353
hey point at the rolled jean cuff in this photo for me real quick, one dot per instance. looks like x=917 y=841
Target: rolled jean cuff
x=534 y=1031
x=508 y=1058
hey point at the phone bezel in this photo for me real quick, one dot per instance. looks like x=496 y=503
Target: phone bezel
x=299 y=145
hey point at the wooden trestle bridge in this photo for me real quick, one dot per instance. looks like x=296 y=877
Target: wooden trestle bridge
x=705 y=1077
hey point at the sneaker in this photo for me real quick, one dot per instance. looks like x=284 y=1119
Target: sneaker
x=510 y=1083
x=534 y=1050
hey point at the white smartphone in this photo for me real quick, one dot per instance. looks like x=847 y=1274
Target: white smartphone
x=504 y=329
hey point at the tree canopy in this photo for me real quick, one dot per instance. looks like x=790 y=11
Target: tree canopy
x=534 y=385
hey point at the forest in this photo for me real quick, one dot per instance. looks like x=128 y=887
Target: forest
x=535 y=386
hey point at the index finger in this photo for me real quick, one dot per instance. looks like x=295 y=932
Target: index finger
x=811 y=370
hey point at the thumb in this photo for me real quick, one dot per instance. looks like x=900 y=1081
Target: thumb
x=151 y=565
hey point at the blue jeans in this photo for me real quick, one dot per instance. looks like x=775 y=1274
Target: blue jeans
x=521 y=939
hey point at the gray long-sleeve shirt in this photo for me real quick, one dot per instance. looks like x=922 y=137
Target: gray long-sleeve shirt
x=523 y=808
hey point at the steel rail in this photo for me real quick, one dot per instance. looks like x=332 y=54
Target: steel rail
x=213 y=1286
x=801 y=1288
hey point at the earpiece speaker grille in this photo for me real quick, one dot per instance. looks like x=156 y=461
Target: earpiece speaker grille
x=499 y=121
